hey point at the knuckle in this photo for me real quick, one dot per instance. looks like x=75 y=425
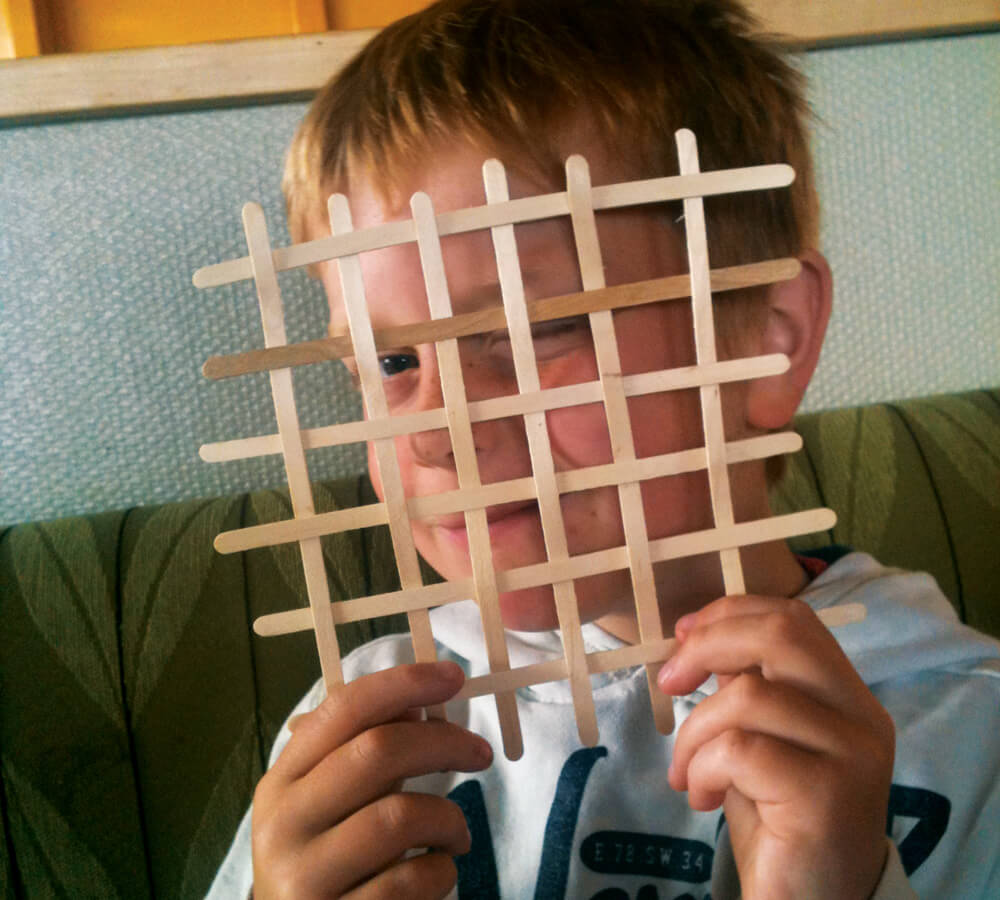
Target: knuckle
x=333 y=706
x=266 y=840
x=783 y=626
x=394 y=812
x=730 y=605
x=735 y=743
x=370 y=747
x=262 y=792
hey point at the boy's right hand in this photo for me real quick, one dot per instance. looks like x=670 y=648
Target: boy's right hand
x=329 y=818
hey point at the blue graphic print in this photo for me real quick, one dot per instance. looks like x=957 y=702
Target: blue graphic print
x=650 y=855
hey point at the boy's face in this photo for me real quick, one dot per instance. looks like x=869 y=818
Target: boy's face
x=636 y=245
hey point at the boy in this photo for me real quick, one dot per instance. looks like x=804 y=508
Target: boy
x=787 y=739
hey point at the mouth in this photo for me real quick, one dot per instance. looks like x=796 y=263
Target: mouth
x=497 y=517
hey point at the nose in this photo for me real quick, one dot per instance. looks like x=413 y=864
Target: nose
x=490 y=438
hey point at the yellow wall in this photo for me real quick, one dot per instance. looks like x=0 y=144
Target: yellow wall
x=31 y=27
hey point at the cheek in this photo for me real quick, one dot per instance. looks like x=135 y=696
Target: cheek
x=666 y=423
x=579 y=436
x=403 y=458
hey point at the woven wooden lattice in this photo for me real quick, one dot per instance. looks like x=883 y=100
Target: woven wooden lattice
x=579 y=201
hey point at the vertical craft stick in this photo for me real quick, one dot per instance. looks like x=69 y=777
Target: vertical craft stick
x=467 y=467
x=539 y=448
x=705 y=349
x=373 y=391
x=273 y=321
x=609 y=366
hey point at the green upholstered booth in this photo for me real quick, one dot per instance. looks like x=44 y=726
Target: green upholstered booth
x=137 y=708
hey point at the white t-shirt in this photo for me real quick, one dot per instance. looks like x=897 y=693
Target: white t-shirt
x=567 y=821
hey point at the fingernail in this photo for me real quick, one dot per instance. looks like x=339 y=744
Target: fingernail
x=666 y=672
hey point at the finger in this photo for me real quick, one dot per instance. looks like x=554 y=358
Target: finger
x=767 y=771
x=727 y=607
x=377 y=761
x=787 y=644
x=428 y=877
x=753 y=704
x=411 y=715
x=369 y=700
x=380 y=834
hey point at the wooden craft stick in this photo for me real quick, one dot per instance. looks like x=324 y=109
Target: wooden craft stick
x=300 y=490
x=458 y=414
x=517 y=489
x=588 y=249
x=540 y=452
x=680 y=378
x=327 y=436
x=711 y=540
x=705 y=350
x=466 y=468
x=673 y=287
x=598 y=562
x=358 y=610
x=654 y=653
x=527 y=209
x=369 y=373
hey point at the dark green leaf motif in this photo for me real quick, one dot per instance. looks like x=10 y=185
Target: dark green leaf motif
x=68 y=598
x=53 y=848
x=224 y=804
x=970 y=438
x=174 y=556
x=859 y=459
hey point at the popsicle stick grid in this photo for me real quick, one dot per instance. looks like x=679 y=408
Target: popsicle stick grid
x=626 y=471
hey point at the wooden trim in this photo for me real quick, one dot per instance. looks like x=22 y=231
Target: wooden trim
x=819 y=23
x=191 y=74
x=271 y=68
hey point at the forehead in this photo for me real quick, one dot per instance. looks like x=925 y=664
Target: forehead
x=453 y=178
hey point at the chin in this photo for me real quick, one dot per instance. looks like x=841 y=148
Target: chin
x=532 y=609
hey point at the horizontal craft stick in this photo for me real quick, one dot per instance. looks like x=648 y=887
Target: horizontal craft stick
x=710 y=540
x=658 y=651
x=674 y=287
x=742 y=534
x=273 y=533
x=502 y=407
x=511 y=212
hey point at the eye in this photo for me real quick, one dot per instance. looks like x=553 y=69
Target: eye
x=559 y=335
x=395 y=363
x=555 y=327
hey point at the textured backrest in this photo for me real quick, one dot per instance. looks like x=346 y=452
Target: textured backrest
x=137 y=710
x=102 y=336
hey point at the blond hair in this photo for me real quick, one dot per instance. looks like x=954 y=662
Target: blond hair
x=505 y=74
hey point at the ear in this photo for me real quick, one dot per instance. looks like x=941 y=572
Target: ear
x=798 y=311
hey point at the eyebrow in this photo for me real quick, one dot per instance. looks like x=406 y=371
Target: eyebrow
x=673 y=287
x=481 y=298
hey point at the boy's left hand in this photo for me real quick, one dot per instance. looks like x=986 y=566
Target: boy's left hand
x=793 y=745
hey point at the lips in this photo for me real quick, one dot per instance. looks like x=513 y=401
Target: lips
x=456 y=521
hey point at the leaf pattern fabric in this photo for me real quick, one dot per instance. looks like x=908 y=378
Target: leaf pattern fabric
x=71 y=606
x=137 y=708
